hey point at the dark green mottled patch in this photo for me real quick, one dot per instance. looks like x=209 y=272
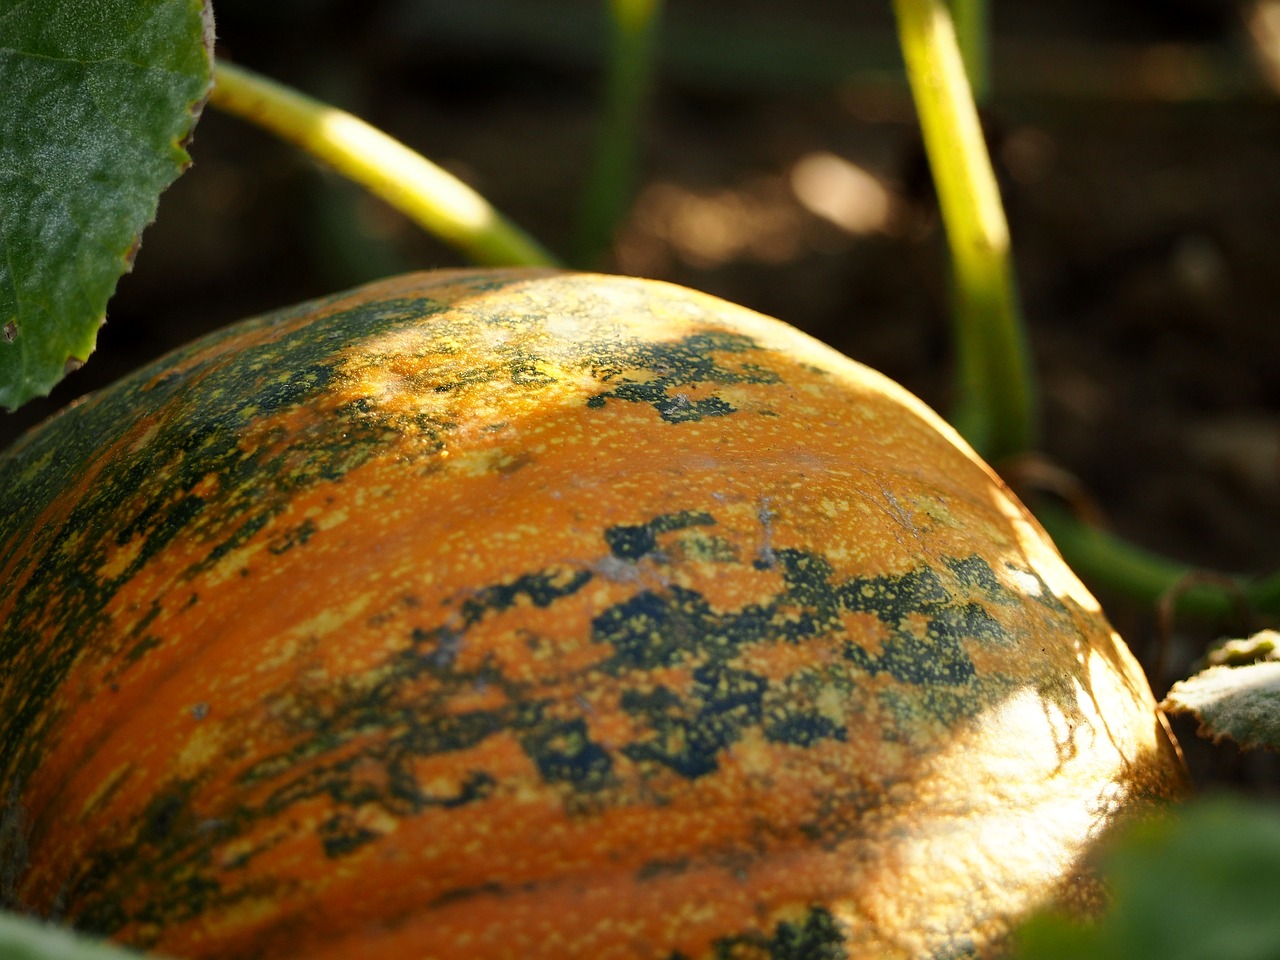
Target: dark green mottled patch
x=819 y=936
x=656 y=628
x=662 y=628
x=542 y=589
x=163 y=812
x=671 y=365
x=241 y=535
x=521 y=371
x=689 y=732
x=974 y=572
x=964 y=950
x=293 y=537
x=140 y=649
x=564 y=753
x=633 y=541
x=653 y=869
x=339 y=836
x=804 y=729
x=936 y=656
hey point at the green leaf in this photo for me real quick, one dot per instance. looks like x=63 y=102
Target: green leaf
x=1263 y=645
x=25 y=939
x=1201 y=883
x=98 y=101
x=1242 y=703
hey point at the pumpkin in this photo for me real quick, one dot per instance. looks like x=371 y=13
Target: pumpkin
x=544 y=615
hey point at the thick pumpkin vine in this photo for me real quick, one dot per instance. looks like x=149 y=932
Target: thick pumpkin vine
x=101 y=99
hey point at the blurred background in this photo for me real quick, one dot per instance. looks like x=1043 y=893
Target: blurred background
x=1138 y=146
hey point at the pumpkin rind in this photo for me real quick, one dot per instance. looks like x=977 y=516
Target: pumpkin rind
x=527 y=614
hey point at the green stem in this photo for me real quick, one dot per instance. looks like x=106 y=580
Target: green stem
x=1102 y=558
x=435 y=199
x=996 y=404
x=634 y=26
x=996 y=408
x=973 y=31
x=26 y=938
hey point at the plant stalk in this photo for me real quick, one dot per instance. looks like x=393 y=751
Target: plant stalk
x=1137 y=573
x=996 y=397
x=634 y=28
x=973 y=31
x=430 y=196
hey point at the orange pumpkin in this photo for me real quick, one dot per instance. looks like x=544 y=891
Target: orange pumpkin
x=525 y=614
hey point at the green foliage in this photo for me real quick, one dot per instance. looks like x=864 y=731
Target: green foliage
x=609 y=186
x=1149 y=578
x=98 y=100
x=426 y=193
x=1263 y=645
x=25 y=939
x=1201 y=883
x=1238 y=695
